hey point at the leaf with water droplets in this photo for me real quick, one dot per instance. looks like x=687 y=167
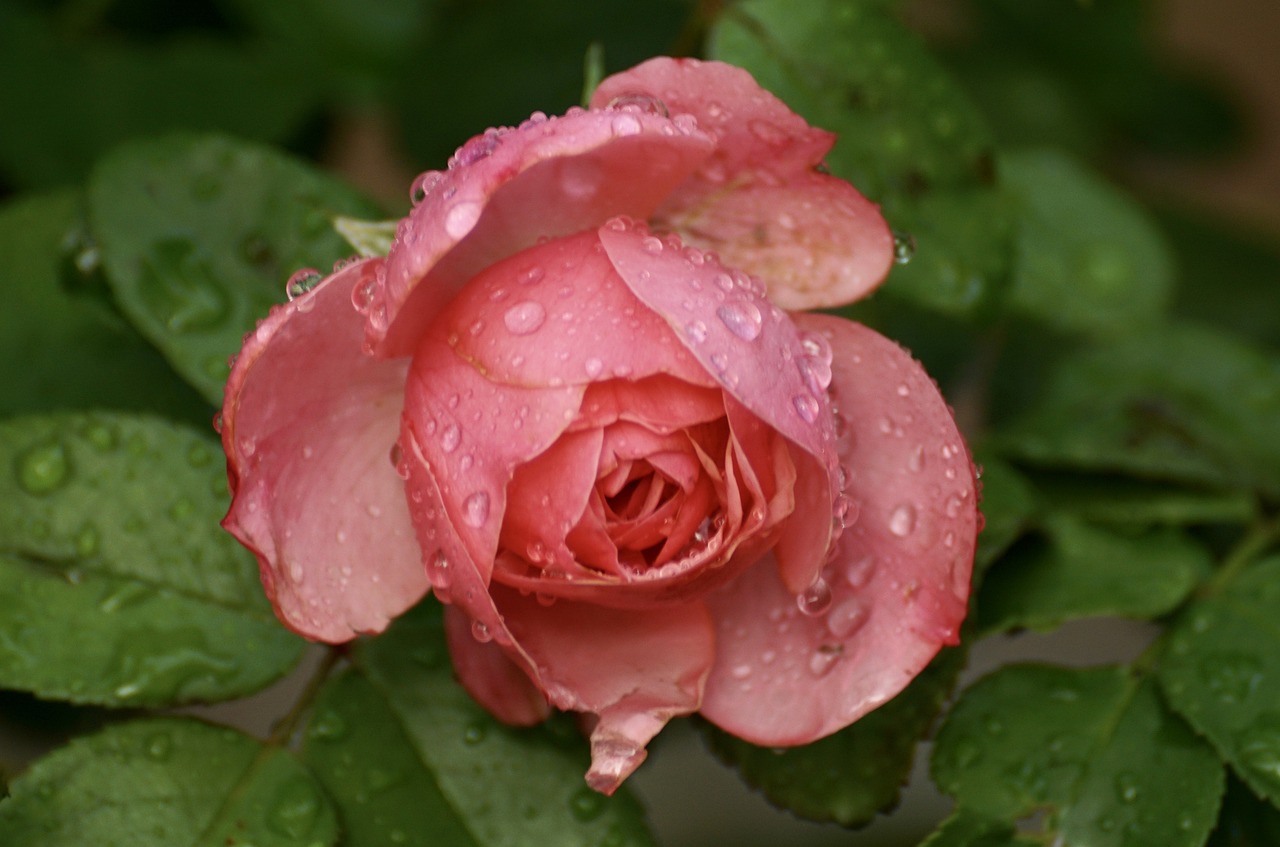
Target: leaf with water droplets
x=909 y=138
x=1086 y=756
x=1221 y=672
x=167 y=781
x=850 y=776
x=61 y=343
x=119 y=588
x=1070 y=569
x=968 y=829
x=200 y=233
x=1176 y=403
x=507 y=786
x=362 y=755
x=1087 y=257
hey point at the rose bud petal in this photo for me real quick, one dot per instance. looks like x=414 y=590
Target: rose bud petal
x=643 y=488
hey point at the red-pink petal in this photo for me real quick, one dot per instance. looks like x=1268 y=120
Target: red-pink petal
x=899 y=582
x=635 y=670
x=309 y=425
x=758 y=200
x=557 y=314
x=546 y=178
x=490 y=676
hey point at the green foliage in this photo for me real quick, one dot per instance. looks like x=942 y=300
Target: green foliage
x=118 y=586
x=198 y=235
x=167 y=781
x=859 y=771
x=1085 y=756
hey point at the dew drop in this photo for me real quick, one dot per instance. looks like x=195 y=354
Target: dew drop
x=362 y=295
x=43 y=469
x=593 y=366
x=806 y=407
x=822 y=660
x=462 y=218
x=475 y=509
x=742 y=319
x=480 y=632
x=586 y=805
x=626 y=124
x=301 y=282
x=904 y=247
x=902 y=520
x=741 y=671
x=651 y=244
x=450 y=437
x=847 y=617
x=638 y=103
x=697 y=331
x=859 y=572
x=816 y=599
x=524 y=317
x=294 y=809
x=423 y=186
x=440 y=572
x=159 y=746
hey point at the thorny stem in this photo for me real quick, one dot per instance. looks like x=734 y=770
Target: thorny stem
x=285 y=728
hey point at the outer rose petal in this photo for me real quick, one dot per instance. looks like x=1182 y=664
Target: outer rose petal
x=813 y=239
x=900 y=579
x=634 y=670
x=548 y=177
x=490 y=676
x=308 y=427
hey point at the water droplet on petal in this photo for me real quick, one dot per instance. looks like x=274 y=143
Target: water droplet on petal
x=301 y=282
x=806 y=407
x=524 y=317
x=859 y=571
x=742 y=318
x=593 y=367
x=847 y=617
x=626 y=124
x=480 y=632
x=362 y=295
x=822 y=660
x=902 y=520
x=424 y=185
x=460 y=219
x=638 y=103
x=651 y=244
x=815 y=599
x=450 y=437
x=697 y=331
x=475 y=509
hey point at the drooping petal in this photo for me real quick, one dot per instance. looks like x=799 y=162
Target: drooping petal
x=309 y=425
x=898 y=583
x=635 y=670
x=490 y=676
x=758 y=200
x=557 y=314
x=505 y=189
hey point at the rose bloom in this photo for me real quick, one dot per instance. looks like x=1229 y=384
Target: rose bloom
x=579 y=402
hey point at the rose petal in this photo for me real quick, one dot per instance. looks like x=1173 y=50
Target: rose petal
x=490 y=676
x=557 y=314
x=661 y=403
x=899 y=581
x=308 y=425
x=545 y=178
x=813 y=239
x=635 y=670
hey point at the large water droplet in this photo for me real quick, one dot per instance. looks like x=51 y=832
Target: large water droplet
x=524 y=317
x=626 y=124
x=480 y=632
x=806 y=406
x=43 y=469
x=460 y=219
x=475 y=509
x=450 y=438
x=294 y=809
x=362 y=295
x=743 y=319
x=424 y=185
x=816 y=599
x=902 y=520
x=301 y=282
x=847 y=617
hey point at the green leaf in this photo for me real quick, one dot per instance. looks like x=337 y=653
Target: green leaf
x=967 y=829
x=1009 y=504
x=58 y=350
x=85 y=94
x=119 y=588
x=850 y=776
x=361 y=753
x=167 y=781
x=508 y=786
x=1178 y=403
x=200 y=233
x=1245 y=821
x=1079 y=571
x=908 y=137
x=367 y=238
x=1087 y=756
x=1087 y=258
x=1221 y=672
x=1121 y=501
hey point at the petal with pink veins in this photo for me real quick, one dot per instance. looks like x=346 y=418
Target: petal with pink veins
x=899 y=580
x=634 y=670
x=309 y=425
x=759 y=200
x=557 y=314
x=506 y=189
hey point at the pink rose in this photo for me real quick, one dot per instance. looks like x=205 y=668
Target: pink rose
x=643 y=486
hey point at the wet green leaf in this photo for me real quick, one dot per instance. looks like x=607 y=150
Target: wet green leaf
x=1123 y=501
x=61 y=349
x=967 y=829
x=359 y=750
x=1177 y=403
x=199 y=235
x=1245 y=821
x=367 y=238
x=1009 y=503
x=1087 y=258
x=118 y=585
x=908 y=136
x=1221 y=672
x=1088 y=756
x=859 y=771
x=82 y=94
x=1078 y=570
x=167 y=781
x=509 y=786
